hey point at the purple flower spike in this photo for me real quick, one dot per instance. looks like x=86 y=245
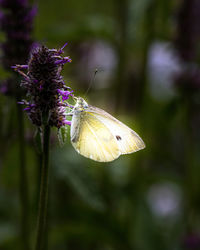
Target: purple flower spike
x=16 y=22
x=45 y=88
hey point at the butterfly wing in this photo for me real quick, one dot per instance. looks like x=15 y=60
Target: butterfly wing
x=92 y=139
x=128 y=140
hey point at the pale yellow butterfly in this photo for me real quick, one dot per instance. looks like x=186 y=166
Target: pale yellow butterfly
x=99 y=136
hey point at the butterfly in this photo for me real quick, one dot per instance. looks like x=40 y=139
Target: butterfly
x=99 y=136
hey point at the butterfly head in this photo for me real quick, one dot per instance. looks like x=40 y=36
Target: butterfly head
x=80 y=105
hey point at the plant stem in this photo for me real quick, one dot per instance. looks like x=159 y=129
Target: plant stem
x=42 y=214
x=149 y=34
x=23 y=184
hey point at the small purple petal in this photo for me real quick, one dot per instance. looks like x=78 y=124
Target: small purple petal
x=63 y=61
x=24 y=66
x=64 y=46
x=60 y=51
x=67 y=122
x=29 y=107
x=18 y=67
x=65 y=94
x=13 y=67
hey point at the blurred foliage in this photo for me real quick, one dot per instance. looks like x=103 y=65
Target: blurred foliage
x=144 y=201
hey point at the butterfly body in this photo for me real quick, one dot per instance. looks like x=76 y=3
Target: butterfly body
x=99 y=136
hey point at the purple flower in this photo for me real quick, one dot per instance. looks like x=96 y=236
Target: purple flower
x=17 y=24
x=45 y=88
x=16 y=21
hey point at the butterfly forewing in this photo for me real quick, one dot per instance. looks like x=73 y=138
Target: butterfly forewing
x=92 y=139
x=128 y=141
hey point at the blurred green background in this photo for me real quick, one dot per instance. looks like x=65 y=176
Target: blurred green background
x=146 y=53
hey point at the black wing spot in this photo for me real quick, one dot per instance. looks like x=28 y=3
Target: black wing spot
x=118 y=137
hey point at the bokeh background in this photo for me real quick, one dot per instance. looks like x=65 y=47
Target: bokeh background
x=146 y=54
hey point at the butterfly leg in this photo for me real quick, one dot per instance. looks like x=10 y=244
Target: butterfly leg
x=69 y=114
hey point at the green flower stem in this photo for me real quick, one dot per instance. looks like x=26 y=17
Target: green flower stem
x=42 y=214
x=23 y=184
x=149 y=36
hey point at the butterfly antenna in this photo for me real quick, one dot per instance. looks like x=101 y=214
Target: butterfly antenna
x=91 y=82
